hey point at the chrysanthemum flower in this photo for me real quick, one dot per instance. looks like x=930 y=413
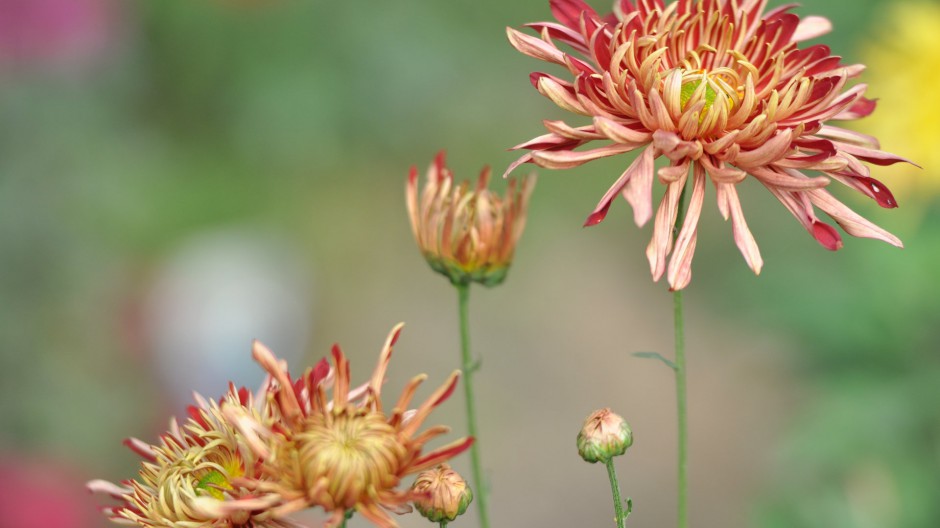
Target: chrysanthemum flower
x=345 y=451
x=467 y=235
x=722 y=91
x=195 y=476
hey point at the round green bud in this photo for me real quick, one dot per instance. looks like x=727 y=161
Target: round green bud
x=604 y=436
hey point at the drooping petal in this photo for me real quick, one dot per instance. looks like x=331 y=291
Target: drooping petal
x=661 y=243
x=852 y=222
x=680 y=263
x=729 y=203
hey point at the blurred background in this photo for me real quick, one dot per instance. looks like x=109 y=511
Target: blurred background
x=178 y=177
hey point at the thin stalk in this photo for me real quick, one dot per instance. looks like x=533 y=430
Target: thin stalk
x=681 y=403
x=615 y=491
x=463 y=298
x=683 y=516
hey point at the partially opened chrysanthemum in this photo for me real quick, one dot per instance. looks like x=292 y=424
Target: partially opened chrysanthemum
x=723 y=91
x=467 y=234
x=346 y=451
x=196 y=476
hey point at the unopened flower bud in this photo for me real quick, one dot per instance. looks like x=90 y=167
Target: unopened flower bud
x=604 y=436
x=444 y=494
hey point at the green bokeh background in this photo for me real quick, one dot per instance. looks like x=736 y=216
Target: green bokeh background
x=814 y=388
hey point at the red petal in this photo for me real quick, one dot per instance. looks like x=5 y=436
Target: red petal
x=568 y=12
x=826 y=235
x=862 y=107
x=197 y=416
x=319 y=372
x=874 y=188
x=446 y=394
x=597 y=216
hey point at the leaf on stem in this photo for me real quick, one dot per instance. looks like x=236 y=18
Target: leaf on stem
x=656 y=355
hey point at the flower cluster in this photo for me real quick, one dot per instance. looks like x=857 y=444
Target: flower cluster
x=251 y=462
x=722 y=91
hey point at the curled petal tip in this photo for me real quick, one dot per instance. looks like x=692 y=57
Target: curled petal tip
x=597 y=216
x=827 y=236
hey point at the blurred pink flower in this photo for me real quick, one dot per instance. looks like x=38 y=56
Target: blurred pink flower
x=41 y=494
x=719 y=88
x=43 y=30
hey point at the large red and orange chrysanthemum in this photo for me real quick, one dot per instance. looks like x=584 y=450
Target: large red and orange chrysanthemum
x=722 y=90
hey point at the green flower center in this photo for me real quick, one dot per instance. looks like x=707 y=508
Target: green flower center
x=701 y=85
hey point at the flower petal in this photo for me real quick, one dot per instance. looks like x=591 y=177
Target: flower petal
x=661 y=243
x=565 y=159
x=728 y=201
x=680 y=263
x=812 y=27
x=765 y=154
x=535 y=47
x=852 y=222
x=642 y=169
x=560 y=95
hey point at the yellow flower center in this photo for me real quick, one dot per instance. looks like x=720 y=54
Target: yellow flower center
x=355 y=450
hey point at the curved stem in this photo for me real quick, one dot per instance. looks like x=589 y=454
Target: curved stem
x=683 y=520
x=615 y=491
x=463 y=297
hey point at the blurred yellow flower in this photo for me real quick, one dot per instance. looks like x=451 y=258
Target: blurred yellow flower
x=903 y=61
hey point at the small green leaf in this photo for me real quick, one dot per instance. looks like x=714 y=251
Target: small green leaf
x=656 y=355
x=475 y=366
x=629 y=508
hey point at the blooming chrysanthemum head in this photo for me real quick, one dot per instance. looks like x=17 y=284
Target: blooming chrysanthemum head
x=338 y=447
x=468 y=235
x=721 y=90
x=603 y=436
x=443 y=494
x=196 y=476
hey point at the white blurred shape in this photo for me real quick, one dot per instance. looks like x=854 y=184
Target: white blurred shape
x=216 y=293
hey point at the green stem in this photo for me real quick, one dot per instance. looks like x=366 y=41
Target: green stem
x=443 y=524
x=681 y=405
x=682 y=411
x=615 y=491
x=463 y=296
